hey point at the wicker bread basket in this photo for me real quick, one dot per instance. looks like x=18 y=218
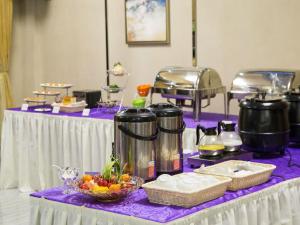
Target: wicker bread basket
x=186 y=199
x=240 y=182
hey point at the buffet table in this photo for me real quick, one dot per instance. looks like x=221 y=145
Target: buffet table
x=33 y=141
x=273 y=203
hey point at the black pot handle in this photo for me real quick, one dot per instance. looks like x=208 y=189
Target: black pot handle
x=198 y=137
x=175 y=131
x=128 y=132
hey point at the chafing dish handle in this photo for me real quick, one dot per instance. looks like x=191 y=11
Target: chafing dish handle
x=208 y=102
x=129 y=133
x=175 y=131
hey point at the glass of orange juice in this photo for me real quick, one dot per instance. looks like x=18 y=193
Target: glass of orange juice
x=67 y=100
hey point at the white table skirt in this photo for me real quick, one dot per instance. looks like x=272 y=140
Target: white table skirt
x=277 y=205
x=32 y=142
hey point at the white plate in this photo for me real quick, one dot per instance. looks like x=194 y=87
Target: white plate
x=113 y=90
x=35 y=100
x=56 y=85
x=47 y=93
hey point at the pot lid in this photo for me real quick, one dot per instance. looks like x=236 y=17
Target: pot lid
x=210 y=131
x=135 y=115
x=292 y=96
x=165 y=110
x=263 y=97
x=228 y=125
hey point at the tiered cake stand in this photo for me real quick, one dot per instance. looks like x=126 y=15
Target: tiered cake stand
x=110 y=104
x=41 y=96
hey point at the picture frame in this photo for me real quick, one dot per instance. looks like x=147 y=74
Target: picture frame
x=147 y=22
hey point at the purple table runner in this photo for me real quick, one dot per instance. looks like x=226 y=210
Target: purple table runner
x=137 y=204
x=207 y=119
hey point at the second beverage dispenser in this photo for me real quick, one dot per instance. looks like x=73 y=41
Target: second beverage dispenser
x=169 y=152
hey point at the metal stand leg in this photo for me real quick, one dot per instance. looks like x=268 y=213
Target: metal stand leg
x=225 y=106
x=197 y=108
x=228 y=105
x=151 y=95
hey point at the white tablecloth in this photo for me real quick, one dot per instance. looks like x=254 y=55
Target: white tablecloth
x=32 y=142
x=277 y=205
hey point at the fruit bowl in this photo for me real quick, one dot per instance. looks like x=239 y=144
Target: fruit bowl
x=105 y=194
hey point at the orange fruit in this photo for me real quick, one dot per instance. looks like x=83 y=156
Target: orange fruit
x=125 y=177
x=87 y=177
x=115 y=187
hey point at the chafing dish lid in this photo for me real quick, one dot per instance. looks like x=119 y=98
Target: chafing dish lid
x=275 y=80
x=187 y=78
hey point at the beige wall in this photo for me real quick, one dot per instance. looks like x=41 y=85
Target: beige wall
x=235 y=34
x=57 y=41
x=64 y=40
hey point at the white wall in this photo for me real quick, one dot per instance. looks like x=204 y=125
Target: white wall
x=57 y=41
x=235 y=34
x=143 y=62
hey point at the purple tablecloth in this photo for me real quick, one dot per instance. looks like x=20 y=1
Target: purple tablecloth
x=208 y=119
x=137 y=204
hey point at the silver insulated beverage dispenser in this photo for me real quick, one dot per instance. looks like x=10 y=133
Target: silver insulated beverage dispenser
x=135 y=133
x=169 y=157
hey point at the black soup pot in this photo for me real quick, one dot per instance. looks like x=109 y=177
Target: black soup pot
x=293 y=98
x=264 y=125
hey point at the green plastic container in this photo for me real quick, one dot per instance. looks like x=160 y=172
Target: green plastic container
x=139 y=102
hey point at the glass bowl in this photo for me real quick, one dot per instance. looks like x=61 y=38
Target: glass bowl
x=112 y=196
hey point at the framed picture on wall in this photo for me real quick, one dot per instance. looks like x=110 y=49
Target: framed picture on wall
x=147 y=22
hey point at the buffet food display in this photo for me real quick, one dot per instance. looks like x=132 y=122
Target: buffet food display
x=148 y=141
x=65 y=103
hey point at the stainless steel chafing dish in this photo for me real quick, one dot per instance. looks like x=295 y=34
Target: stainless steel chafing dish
x=272 y=81
x=188 y=86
